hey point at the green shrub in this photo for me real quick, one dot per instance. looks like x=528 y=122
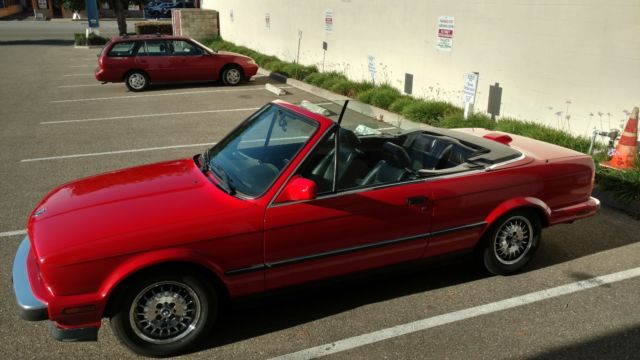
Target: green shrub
x=342 y=87
x=80 y=39
x=625 y=185
x=456 y=120
x=154 y=27
x=381 y=96
x=429 y=112
x=544 y=133
x=400 y=103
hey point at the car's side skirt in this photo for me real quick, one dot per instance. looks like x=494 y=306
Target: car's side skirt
x=259 y=267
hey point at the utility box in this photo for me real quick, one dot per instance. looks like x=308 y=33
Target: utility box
x=196 y=23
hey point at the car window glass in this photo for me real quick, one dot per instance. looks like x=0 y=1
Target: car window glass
x=153 y=48
x=183 y=48
x=255 y=153
x=124 y=48
x=318 y=166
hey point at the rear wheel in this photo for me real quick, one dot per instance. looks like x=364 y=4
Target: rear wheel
x=232 y=75
x=511 y=242
x=136 y=81
x=164 y=314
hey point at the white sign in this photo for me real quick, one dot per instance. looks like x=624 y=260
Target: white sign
x=42 y=4
x=445 y=33
x=267 y=21
x=470 y=87
x=371 y=65
x=328 y=20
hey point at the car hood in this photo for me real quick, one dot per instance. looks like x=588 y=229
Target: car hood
x=229 y=53
x=131 y=210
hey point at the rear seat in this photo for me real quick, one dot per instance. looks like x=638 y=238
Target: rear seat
x=435 y=152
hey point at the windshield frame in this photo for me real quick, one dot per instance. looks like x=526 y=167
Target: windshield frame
x=227 y=140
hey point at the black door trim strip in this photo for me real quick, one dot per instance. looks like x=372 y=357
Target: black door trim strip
x=300 y=259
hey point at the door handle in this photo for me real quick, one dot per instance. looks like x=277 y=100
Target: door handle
x=416 y=200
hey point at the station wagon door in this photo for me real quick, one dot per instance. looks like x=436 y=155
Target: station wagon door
x=154 y=59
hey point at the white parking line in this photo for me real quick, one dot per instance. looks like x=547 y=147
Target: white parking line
x=13 y=233
x=147 y=116
x=424 y=324
x=115 y=152
x=244 y=88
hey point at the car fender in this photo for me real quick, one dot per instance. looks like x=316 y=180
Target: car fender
x=519 y=203
x=141 y=261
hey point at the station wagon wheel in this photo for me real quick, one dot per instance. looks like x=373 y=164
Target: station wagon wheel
x=136 y=81
x=511 y=242
x=232 y=75
x=163 y=314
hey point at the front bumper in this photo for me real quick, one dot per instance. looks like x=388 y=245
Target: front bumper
x=31 y=308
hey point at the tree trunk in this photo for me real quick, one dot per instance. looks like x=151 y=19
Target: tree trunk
x=120 y=10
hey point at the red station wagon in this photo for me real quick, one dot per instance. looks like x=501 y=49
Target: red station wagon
x=156 y=248
x=141 y=60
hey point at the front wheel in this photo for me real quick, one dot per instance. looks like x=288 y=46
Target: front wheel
x=164 y=314
x=136 y=81
x=511 y=242
x=232 y=76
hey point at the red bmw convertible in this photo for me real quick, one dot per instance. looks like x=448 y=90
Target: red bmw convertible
x=156 y=248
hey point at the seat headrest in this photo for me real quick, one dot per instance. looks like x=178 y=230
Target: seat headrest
x=348 y=138
x=395 y=155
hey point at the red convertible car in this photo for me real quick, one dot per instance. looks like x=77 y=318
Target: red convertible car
x=141 y=60
x=156 y=248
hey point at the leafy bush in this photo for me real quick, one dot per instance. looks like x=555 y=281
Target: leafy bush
x=80 y=39
x=430 y=112
x=154 y=27
x=380 y=96
x=625 y=185
x=400 y=103
x=544 y=133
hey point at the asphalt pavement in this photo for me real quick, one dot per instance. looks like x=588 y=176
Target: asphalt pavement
x=58 y=124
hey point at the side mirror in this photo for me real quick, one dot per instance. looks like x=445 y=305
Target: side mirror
x=298 y=189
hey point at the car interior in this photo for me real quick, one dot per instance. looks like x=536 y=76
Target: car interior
x=384 y=159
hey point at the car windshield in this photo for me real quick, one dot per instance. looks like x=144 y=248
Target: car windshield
x=252 y=156
x=204 y=46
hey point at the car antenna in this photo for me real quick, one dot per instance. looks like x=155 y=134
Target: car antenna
x=336 y=155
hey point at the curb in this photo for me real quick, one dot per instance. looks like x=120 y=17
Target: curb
x=88 y=46
x=609 y=200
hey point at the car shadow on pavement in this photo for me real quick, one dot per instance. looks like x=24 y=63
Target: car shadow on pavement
x=251 y=317
x=51 y=42
x=205 y=85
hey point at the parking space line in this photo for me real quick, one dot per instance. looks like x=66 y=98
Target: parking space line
x=147 y=116
x=115 y=152
x=424 y=324
x=13 y=233
x=247 y=88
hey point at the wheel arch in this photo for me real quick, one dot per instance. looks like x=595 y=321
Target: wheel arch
x=124 y=77
x=231 y=65
x=539 y=207
x=119 y=278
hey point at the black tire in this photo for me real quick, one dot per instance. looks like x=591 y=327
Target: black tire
x=155 y=14
x=183 y=305
x=136 y=81
x=232 y=75
x=511 y=242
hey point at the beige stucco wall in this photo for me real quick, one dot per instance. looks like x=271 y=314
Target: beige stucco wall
x=548 y=55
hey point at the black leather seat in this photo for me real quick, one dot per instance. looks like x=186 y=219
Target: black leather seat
x=393 y=167
x=322 y=174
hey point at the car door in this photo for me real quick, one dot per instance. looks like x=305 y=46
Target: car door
x=345 y=231
x=154 y=59
x=189 y=62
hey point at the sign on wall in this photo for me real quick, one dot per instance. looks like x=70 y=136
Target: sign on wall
x=371 y=65
x=445 y=33
x=267 y=21
x=328 y=20
x=42 y=4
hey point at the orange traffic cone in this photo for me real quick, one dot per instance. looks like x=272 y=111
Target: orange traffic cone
x=627 y=150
